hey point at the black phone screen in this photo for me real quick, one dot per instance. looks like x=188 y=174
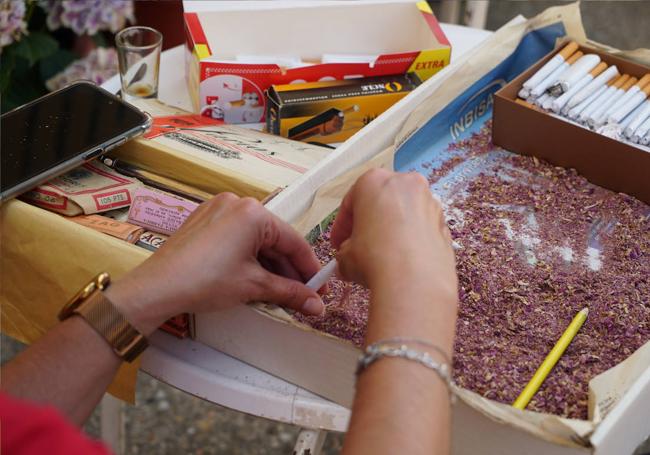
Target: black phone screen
x=58 y=127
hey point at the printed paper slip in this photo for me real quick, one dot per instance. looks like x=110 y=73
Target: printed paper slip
x=90 y=188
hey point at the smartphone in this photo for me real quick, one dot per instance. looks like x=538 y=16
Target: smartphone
x=58 y=132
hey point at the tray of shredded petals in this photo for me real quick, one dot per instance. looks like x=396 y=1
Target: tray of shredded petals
x=536 y=244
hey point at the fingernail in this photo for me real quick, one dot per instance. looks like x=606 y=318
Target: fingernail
x=313 y=306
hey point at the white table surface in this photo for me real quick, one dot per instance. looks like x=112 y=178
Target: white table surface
x=209 y=374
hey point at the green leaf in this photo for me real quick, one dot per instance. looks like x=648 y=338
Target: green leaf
x=100 y=40
x=55 y=63
x=35 y=46
x=7 y=64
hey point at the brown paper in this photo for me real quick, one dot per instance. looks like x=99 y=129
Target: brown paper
x=37 y=281
x=329 y=196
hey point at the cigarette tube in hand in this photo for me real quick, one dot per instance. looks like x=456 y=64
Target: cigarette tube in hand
x=322 y=276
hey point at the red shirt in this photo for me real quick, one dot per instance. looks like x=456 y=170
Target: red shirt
x=27 y=429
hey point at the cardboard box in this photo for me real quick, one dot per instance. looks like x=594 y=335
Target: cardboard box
x=325 y=365
x=46 y=257
x=214 y=157
x=400 y=38
x=331 y=112
x=602 y=160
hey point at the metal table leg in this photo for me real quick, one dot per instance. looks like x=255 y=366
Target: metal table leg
x=310 y=442
x=112 y=423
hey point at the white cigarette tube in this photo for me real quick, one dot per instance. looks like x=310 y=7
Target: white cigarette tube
x=646 y=139
x=631 y=104
x=322 y=276
x=593 y=86
x=553 y=77
x=539 y=101
x=561 y=101
x=629 y=117
x=575 y=111
x=636 y=88
x=551 y=65
x=641 y=132
x=548 y=102
x=594 y=73
x=612 y=87
x=637 y=119
x=599 y=115
x=575 y=74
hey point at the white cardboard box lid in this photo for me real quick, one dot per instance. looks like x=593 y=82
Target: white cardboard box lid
x=310 y=29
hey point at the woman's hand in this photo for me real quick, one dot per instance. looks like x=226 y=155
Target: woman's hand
x=230 y=251
x=392 y=237
x=389 y=227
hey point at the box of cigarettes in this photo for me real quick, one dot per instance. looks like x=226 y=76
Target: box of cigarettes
x=234 y=54
x=332 y=111
x=594 y=119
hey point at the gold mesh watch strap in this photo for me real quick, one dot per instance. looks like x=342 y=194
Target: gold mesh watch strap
x=100 y=313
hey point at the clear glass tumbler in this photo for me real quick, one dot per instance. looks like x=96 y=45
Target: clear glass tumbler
x=138 y=50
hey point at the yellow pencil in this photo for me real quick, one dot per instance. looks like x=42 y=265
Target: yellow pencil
x=551 y=359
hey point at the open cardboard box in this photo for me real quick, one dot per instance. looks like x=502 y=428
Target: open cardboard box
x=602 y=160
x=35 y=243
x=231 y=53
x=267 y=338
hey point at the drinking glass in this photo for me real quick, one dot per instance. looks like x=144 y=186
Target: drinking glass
x=138 y=50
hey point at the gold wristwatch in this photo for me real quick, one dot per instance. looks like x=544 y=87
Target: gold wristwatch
x=91 y=304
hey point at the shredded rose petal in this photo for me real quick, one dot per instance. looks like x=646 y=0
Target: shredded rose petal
x=538 y=244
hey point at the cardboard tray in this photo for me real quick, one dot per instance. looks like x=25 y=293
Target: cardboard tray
x=602 y=160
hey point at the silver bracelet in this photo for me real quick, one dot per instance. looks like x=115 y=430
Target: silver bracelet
x=404 y=340
x=382 y=349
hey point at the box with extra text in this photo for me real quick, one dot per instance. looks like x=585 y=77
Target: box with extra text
x=233 y=56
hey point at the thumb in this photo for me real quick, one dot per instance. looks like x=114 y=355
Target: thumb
x=289 y=293
x=348 y=269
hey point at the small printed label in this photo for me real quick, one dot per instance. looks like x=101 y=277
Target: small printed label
x=47 y=199
x=112 y=200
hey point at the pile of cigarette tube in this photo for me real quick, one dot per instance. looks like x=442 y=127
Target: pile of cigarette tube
x=582 y=88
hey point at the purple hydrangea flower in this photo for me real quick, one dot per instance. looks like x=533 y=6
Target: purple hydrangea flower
x=98 y=66
x=12 y=25
x=88 y=16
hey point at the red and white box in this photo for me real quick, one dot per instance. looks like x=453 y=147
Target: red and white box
x=234 y=54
